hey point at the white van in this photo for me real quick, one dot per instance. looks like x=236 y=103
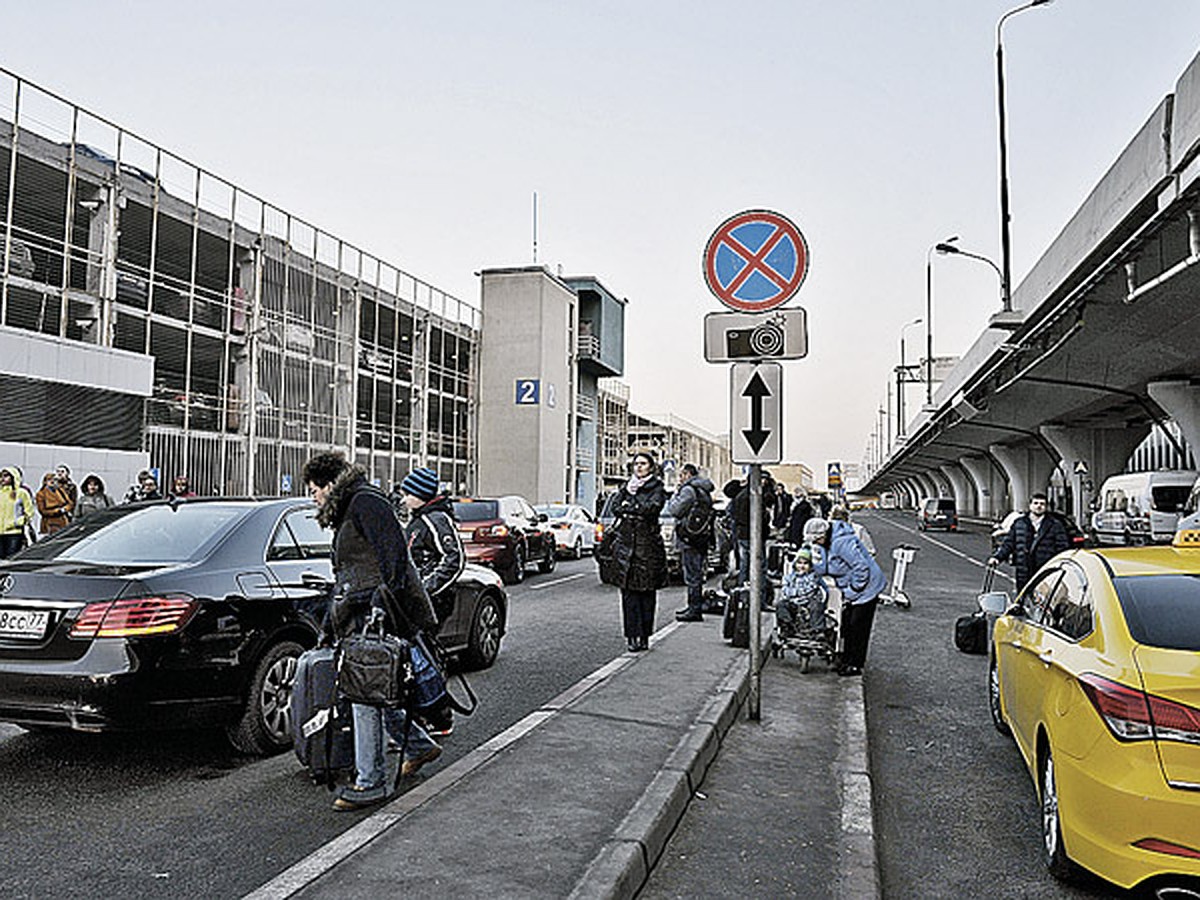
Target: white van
x=1141 y=507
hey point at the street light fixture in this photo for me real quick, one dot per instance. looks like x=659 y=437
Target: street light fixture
x=901 y=377
x=929 y=317
x=1005 y=237
x=948 y=249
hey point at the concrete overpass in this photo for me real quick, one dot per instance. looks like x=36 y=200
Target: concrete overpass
x=1102 y=346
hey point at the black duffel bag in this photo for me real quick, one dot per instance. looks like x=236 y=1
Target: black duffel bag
x=971 y=633
x=375 y=668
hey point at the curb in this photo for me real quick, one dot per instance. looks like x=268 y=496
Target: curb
x=623 y=865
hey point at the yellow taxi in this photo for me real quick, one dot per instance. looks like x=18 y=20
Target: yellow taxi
x=1095 y=672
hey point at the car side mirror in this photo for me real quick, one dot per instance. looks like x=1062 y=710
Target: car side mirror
x=994 y=602
x=542 y=517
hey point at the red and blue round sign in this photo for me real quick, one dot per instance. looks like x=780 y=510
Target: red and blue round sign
x=755 y=261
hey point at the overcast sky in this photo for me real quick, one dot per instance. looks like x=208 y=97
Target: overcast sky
x=419 y=131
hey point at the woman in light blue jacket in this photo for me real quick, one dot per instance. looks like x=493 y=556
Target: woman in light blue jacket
x=842 y=556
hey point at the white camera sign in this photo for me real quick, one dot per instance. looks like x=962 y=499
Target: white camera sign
x=746 y=337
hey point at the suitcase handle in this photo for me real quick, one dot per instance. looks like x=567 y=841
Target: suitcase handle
x=989 y=575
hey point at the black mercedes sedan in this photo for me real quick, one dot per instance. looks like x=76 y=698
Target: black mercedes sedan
x=187 y=613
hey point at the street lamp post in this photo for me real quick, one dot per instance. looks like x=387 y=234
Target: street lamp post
x=929 y=318
x=1005 y=237
x=948 y=249
x=901 y=379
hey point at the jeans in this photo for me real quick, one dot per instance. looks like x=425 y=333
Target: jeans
x=370 y=742
x=692 y=562
x=744 y=569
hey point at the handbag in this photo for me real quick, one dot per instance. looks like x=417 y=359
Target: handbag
x=375 y=668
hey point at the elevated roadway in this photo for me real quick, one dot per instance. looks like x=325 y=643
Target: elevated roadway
x=1102 y=345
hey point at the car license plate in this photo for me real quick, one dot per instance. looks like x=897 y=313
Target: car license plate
x=24 y=623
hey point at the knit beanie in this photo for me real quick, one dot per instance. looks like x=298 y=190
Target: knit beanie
x=421 y=482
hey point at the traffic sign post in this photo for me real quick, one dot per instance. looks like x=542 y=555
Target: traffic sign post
x=754 y=262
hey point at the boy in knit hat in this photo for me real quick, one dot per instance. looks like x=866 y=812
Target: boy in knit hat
x=801 y=604
x=436 y=550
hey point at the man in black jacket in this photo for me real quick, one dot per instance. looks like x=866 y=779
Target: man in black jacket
x=433 y=541
x=372 y=572
x=693 y=490
x=1033 y=538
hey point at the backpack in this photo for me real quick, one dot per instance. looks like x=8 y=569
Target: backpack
x=695 y=527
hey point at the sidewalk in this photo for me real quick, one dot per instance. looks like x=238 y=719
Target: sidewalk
x=580 y=798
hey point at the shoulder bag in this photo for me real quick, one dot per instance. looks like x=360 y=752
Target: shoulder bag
x=375 y=668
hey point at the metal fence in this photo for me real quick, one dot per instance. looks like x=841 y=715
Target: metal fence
x=271 y=338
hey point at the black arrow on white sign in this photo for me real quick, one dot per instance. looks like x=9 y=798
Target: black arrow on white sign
x=757 y=391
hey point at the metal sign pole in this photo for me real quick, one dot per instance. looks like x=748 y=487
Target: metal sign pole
x=756 y=587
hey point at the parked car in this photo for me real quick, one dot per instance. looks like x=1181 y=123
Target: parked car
x=1001 y=529
x=1141 y=507
x=573 y=527
x=937 y=512
x=505 y=534
x=1095 y=672
x=187 y=613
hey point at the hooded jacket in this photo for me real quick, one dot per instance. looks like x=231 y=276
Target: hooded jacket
x=16 y=504
x=371 y=562
x=852 y=568
x=435 y=545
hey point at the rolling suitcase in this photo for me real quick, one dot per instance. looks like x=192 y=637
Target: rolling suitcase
x=736 y=625
x=322 y=729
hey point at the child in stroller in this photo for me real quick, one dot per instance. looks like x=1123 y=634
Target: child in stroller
x=806 y=614
x=800 y=610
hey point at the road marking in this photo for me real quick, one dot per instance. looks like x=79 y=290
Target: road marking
x=925 y=537
x=298 y=876
x=546 y=584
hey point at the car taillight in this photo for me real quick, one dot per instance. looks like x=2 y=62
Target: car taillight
x=1132 y=715
x=488 y=531
x=135 y=617
x=1158 y=846
x=599 y=532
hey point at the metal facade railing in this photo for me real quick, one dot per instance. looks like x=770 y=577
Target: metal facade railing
x=271 y=338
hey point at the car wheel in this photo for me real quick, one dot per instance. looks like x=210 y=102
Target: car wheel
x=266 y=723
x=515 y=573
x=1054 y=855
x=487 y=627
x=994 y=697
x=577 y=550
x=546 y=566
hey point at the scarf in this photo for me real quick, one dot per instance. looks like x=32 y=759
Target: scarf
x=634 y=483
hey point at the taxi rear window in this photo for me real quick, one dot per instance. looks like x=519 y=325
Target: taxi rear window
x=1162 y=610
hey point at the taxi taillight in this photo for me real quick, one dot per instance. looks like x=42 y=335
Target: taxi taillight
x=134 y=617
x=1134 y=715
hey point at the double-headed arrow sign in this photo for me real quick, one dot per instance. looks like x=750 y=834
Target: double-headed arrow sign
x=755 y=418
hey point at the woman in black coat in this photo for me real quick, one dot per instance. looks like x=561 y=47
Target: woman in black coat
x=639 y=553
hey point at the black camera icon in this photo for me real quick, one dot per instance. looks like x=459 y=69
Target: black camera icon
x=767 y=339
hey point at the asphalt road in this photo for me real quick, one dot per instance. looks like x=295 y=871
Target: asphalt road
x=180 y=815
x=956 y=812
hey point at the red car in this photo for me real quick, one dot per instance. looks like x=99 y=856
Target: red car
x=506 y=534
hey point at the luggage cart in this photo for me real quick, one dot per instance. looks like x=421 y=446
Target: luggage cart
x=894 y=595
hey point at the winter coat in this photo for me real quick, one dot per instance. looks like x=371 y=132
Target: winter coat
x=16 y=504
x=802 y=511
x=54 y=503
x=639 y=553
x=783 y=509
x=90 y=503
x=435 y=545
x=741 y=513
x=852 y=568
x=371 y=564
x=684 y=499
x=1029 y=550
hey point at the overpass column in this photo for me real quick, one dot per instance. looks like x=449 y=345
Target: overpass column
x=929 y=487
x=1181 y=400
x=989 y=487
x=907 y=493
x=1105 y=450
x=1028 y=470
x=943 y=485
x=964 y=489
